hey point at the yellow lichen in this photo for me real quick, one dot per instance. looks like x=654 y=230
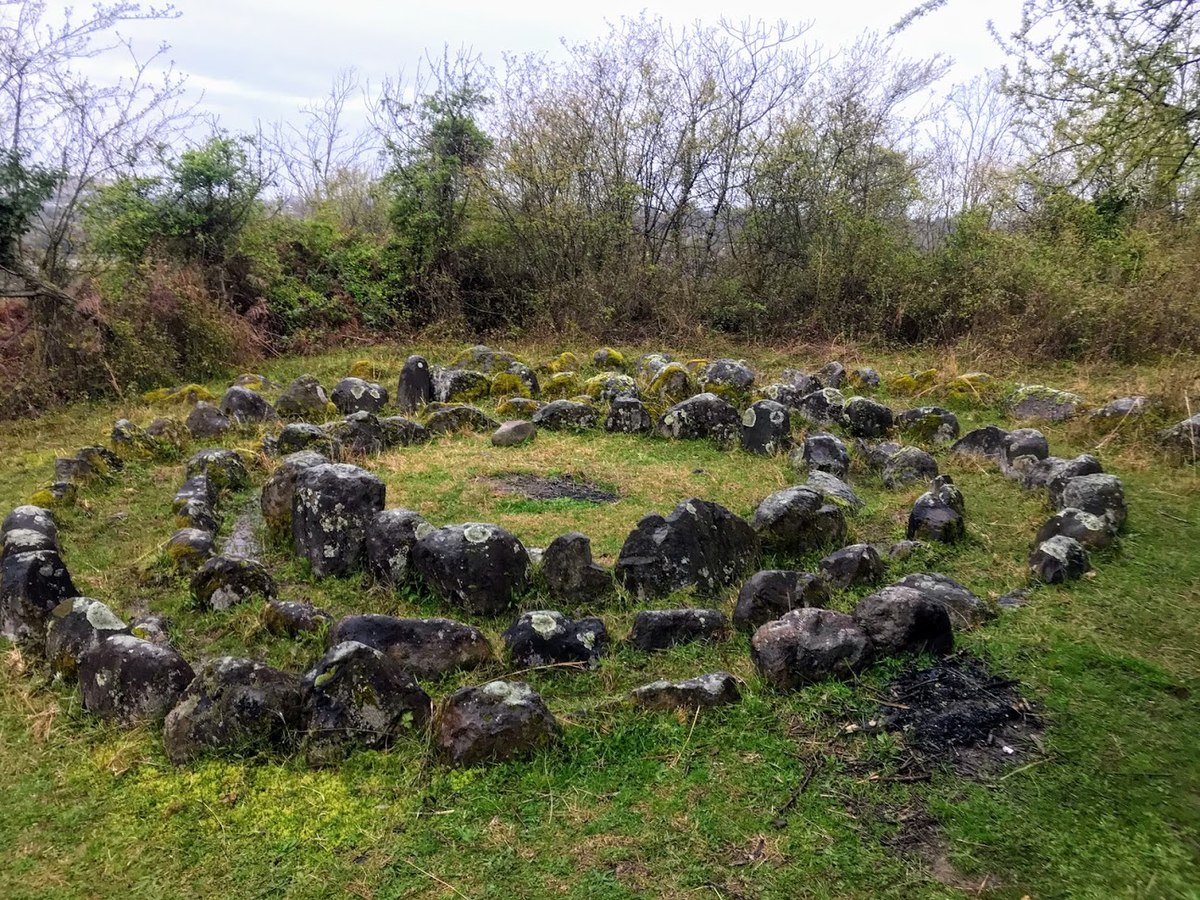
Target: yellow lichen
x=363 y=368
x=561 y=386
x=608 y=358
x=507 y=384
x=672 y=383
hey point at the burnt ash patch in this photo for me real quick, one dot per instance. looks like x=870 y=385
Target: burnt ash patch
x=553 y=487
x=958 y=711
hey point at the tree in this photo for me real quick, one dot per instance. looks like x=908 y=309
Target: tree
x=23 y=190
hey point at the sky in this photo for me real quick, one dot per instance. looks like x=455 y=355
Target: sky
x=262 y=59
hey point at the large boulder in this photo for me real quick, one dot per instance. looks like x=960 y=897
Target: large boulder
x=545 y=637
x=938 y=514
x=1058 y=559
x=853 y=565
x=809 y=645
x=909 y=464
x=478 y=568
x=225 y=581
x=658 y=629
x=74 y=627
x=390 y=536
x=331 y=507
x=415 y=388
x=989 y=442
x=822 y=452
x=966 y=610
x=699 y=544
x=243 y=406
x=304 y=399
x=351 y=395
x=1036 y=401
x=565 y=415
x=207 y=421
x=799 y=520
x=493 y=723
x=235 y=706
x=901 y=620
x=128 y=679
x=772 y=593
x=766 y=428
x=628 y=415
x=428 y=648
x=570 y=573
x=701 y=692
x=929 y=424
x=703 y=416
x=867 y=418
x=224 y=468
x=359 y=697
x=32 y=584
x=279 y=490
x=1100 y=495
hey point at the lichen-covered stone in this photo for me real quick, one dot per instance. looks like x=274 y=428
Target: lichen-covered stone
x=477 y=567
x=780 y=392
x=390 y=536
x=497 y=722
x=189 y=548
x=234 y=706
x=902 y=620
x=304 y=399
x=565 y=415
x=650 y=364
x=300 y=436
x=518 y=408
x=207 y=421
x=703 y=416
x=32 y=584
x=459 y=385
x=242 y=406
x=863 y=377
x=546 y=637
x=459 y=418
x=21 y=540
x=131 y=441
x=804 y=383
x=1025 y=442
x=153 y=628
x=835 y=491
x=659 y=629
x=357 y=435
x=766 y=428
x=561 y=386
x=127 y=679
x=628 y=415
x=989 y=442
x=279 y=490
x=809 y=645
x=965 y=609
x=399 y=431
x=74 y=627
x=672 y=382
x=853 y=565
x=197 y=488
x=1100 y=495
x=331 y=507
x=509 y=384
x=730 y=378
x=351 y=395
x=798 y=520
x=699 y=544
x=571 y=575
x=823 y=407
x=1094 y=532
x=357 y=697
x=415 y=388
x=701 y=692
x=770 y=594
x=867 y=418
x=224 y=468
x=1059 y=559
x=429 y=648
x=224 y=581
x=607 y=386
x=1036 y=401
x=821 y=452
x=30 y=518
x=938 y=514
x=832 y=374
x=929 y=424
x=482 y=358
x=909 y=464
x=1051 y=472
x=608 y=358
x=293 y=617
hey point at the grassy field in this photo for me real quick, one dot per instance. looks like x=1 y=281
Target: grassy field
x=768 y=798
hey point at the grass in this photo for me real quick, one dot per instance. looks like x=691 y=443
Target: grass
x=636 y=804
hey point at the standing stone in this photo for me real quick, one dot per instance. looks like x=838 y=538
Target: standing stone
x=700 y=544
x=798 y=520
x=478 y=567
x=128 y=680
x=902 y=620
x=31 y=585
x=809 y=645
x=766 y=428
x=330 y=510
x=571 y=575
x=545 y=637
x=225 y=581
x=822 y=452
x=866 y=418
x=772 y=593
x=429 y=648
x=659 y=629
x=415 y=389
x=279 y=491
x=499 y=721
x=390 y=536
x=303 y=399
x=351 y=395
x=628 y=415
x=1059 y=559
x=74 y=627
x=702 y=416
x=938 y=514
x=852 y=565
x=235 y=706
x=243 y=406
x=358 y=697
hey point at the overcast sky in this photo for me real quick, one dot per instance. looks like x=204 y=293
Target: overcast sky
x=261 y=59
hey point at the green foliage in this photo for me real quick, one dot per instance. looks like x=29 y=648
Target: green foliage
x=24 y=187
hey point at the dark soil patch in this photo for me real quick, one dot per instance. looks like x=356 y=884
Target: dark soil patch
x=958 y=711
x=555 y=487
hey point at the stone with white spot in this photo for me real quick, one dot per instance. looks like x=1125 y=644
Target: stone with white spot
x=476 y=567
x=331 y=507
x=546 y=637
x=74 y=627
x=351 y=395
x=702 y=692
x=767 y=428
x=500 y=721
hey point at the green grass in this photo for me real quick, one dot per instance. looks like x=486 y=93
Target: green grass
x=636 y=804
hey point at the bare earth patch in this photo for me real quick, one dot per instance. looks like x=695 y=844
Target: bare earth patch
x=555 y=487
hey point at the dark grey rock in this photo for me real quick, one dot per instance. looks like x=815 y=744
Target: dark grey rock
x=726 y=376
x=929 y=424
x=832 y=374
x=628 y=415
x=293 y=617
x=852 y=565
x=1122 y=408
x=866 y=418
x=1100 y=495
x=351 y=395
x=300 y=436
x=565 y=415
x=545 y=637
x=1035 y=401
x=331 y=507
x=514 y=433
x=225 y=581
x=1025 y=442
x=909 y=464
x=415 y=388
x=823 y=408
x=390 y=536
x=453 y=419
x=1092 y=531
x=1059 y=559
x=401 y=432
x=766 y=428
x=938 y=514
x=30 y=518
x=243 y=406
x=1051 y=472
x=303 y=399
x=809 y=645
x=74 y=627
x=658 y=629
x=571 y=575
x=279 y=490
x=484 y=359
x=359 y=434
x=802 y=382
x=703 y=416
x=127 y=679
x=224 y=468
x=497 y=722
x=31 y=586
x=822 y=452
x=189 y=548
x=965 y=609
x=429 y=648
x=207 y=421
x=834 y=490
x=799 y=520
x=1185 y=437
x=989 y=441
x=458 y=385
x=772 y=593
x=477 y=567
x=903 y=620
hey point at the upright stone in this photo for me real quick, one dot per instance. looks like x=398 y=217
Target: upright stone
x=330 y=510
x=415 y=388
